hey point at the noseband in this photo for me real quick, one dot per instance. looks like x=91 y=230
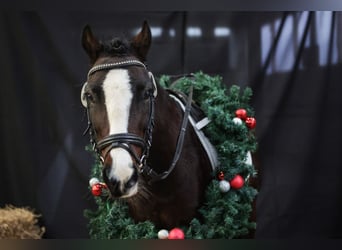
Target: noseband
x=125 y=140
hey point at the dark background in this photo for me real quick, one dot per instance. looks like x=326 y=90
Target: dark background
x=292 y=61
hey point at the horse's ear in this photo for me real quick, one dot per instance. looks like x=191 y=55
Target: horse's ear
x=142 y=41
x=90 y=44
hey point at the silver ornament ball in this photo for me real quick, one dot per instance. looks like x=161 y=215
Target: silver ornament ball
x=93 y=181
x=163 y=234
x=224 y=186
x=237 y=121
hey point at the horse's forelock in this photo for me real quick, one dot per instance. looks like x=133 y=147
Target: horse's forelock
x=117 y=46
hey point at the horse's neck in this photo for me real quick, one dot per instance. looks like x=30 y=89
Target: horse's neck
x=177 y=197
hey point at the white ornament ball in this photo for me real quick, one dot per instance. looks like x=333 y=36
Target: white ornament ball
x=93 y=181
x=163 y=234
x=224 y=186
x=237 y=121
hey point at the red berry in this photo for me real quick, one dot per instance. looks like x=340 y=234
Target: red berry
x=220 y=176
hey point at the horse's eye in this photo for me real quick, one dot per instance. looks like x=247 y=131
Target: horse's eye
x=147 y=94
x=89 y=97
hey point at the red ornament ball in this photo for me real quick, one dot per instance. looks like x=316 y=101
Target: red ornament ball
x=220 y=176
x=241 y=113
x=176 y=234
x=237 y=182
x=96 y=189
x=250 y=122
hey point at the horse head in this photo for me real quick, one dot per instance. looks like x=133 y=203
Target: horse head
x=119 y=96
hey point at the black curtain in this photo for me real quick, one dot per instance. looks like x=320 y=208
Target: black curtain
x=292 y=61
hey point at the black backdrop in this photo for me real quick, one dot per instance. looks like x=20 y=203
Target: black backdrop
x=292 y=60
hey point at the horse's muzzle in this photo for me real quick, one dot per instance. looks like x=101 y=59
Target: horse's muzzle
x=120 y=188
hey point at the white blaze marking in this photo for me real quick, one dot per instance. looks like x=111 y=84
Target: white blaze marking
x=118 y=98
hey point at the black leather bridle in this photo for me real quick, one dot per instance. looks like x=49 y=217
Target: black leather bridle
x=125 y=140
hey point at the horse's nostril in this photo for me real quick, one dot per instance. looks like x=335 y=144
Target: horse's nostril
x=132 y=181
x=111 y=181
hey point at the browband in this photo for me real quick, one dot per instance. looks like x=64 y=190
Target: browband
x=115 y=65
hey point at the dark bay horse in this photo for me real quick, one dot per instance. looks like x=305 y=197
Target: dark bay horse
x=136 y=128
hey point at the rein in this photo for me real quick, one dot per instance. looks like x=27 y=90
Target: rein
x=125 y=140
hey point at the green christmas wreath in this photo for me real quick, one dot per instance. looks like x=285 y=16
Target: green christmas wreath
x=226 y=212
